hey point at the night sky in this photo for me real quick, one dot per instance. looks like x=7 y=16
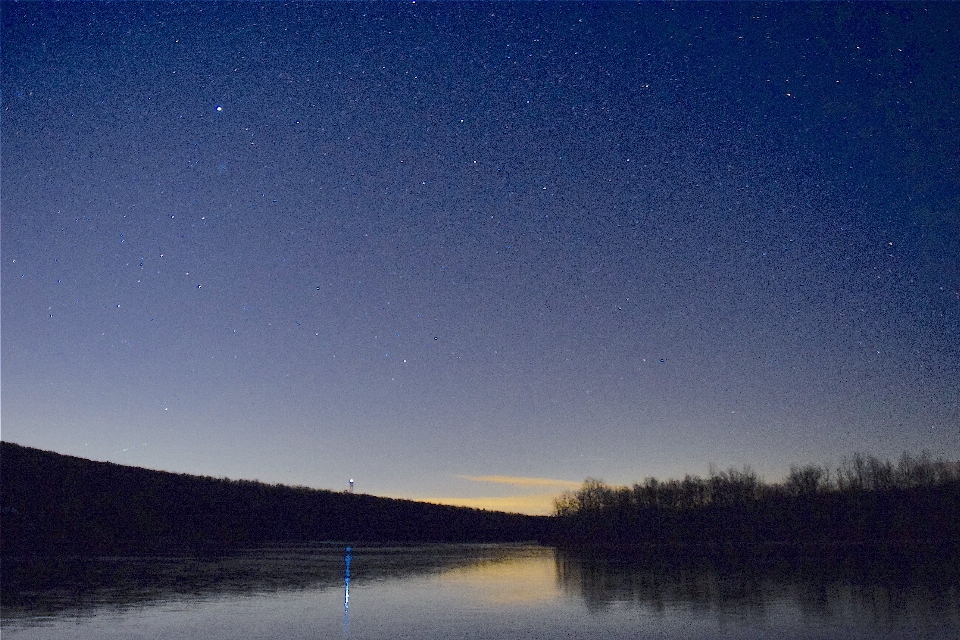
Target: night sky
x=478 y=252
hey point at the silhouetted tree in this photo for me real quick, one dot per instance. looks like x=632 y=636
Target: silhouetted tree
x=870 y=501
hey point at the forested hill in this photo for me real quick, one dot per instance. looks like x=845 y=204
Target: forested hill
x=53 y=503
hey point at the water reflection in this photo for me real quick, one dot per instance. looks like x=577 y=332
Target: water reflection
x=876 y=590
x=346 y=592
x=487 y=592
x=525 y=578
x=80 y=586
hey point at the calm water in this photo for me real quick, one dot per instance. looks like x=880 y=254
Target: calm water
x=495 y=592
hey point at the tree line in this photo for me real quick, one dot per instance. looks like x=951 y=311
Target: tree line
x=864 y=500
x=53 y=504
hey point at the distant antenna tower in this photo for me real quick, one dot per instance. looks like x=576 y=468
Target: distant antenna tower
x=350 y=490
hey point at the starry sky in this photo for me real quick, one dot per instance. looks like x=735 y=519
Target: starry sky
x=476 y=252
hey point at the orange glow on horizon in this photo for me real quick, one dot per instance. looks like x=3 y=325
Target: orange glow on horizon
x=540 y=504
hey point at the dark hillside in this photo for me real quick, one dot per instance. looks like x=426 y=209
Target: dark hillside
x=63 y=505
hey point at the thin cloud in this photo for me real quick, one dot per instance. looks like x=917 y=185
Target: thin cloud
x=518 y=481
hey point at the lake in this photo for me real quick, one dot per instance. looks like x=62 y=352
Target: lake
x=478 y=592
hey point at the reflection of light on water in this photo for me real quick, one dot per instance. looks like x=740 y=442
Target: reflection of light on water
x=346 y=595
x=519 y=581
